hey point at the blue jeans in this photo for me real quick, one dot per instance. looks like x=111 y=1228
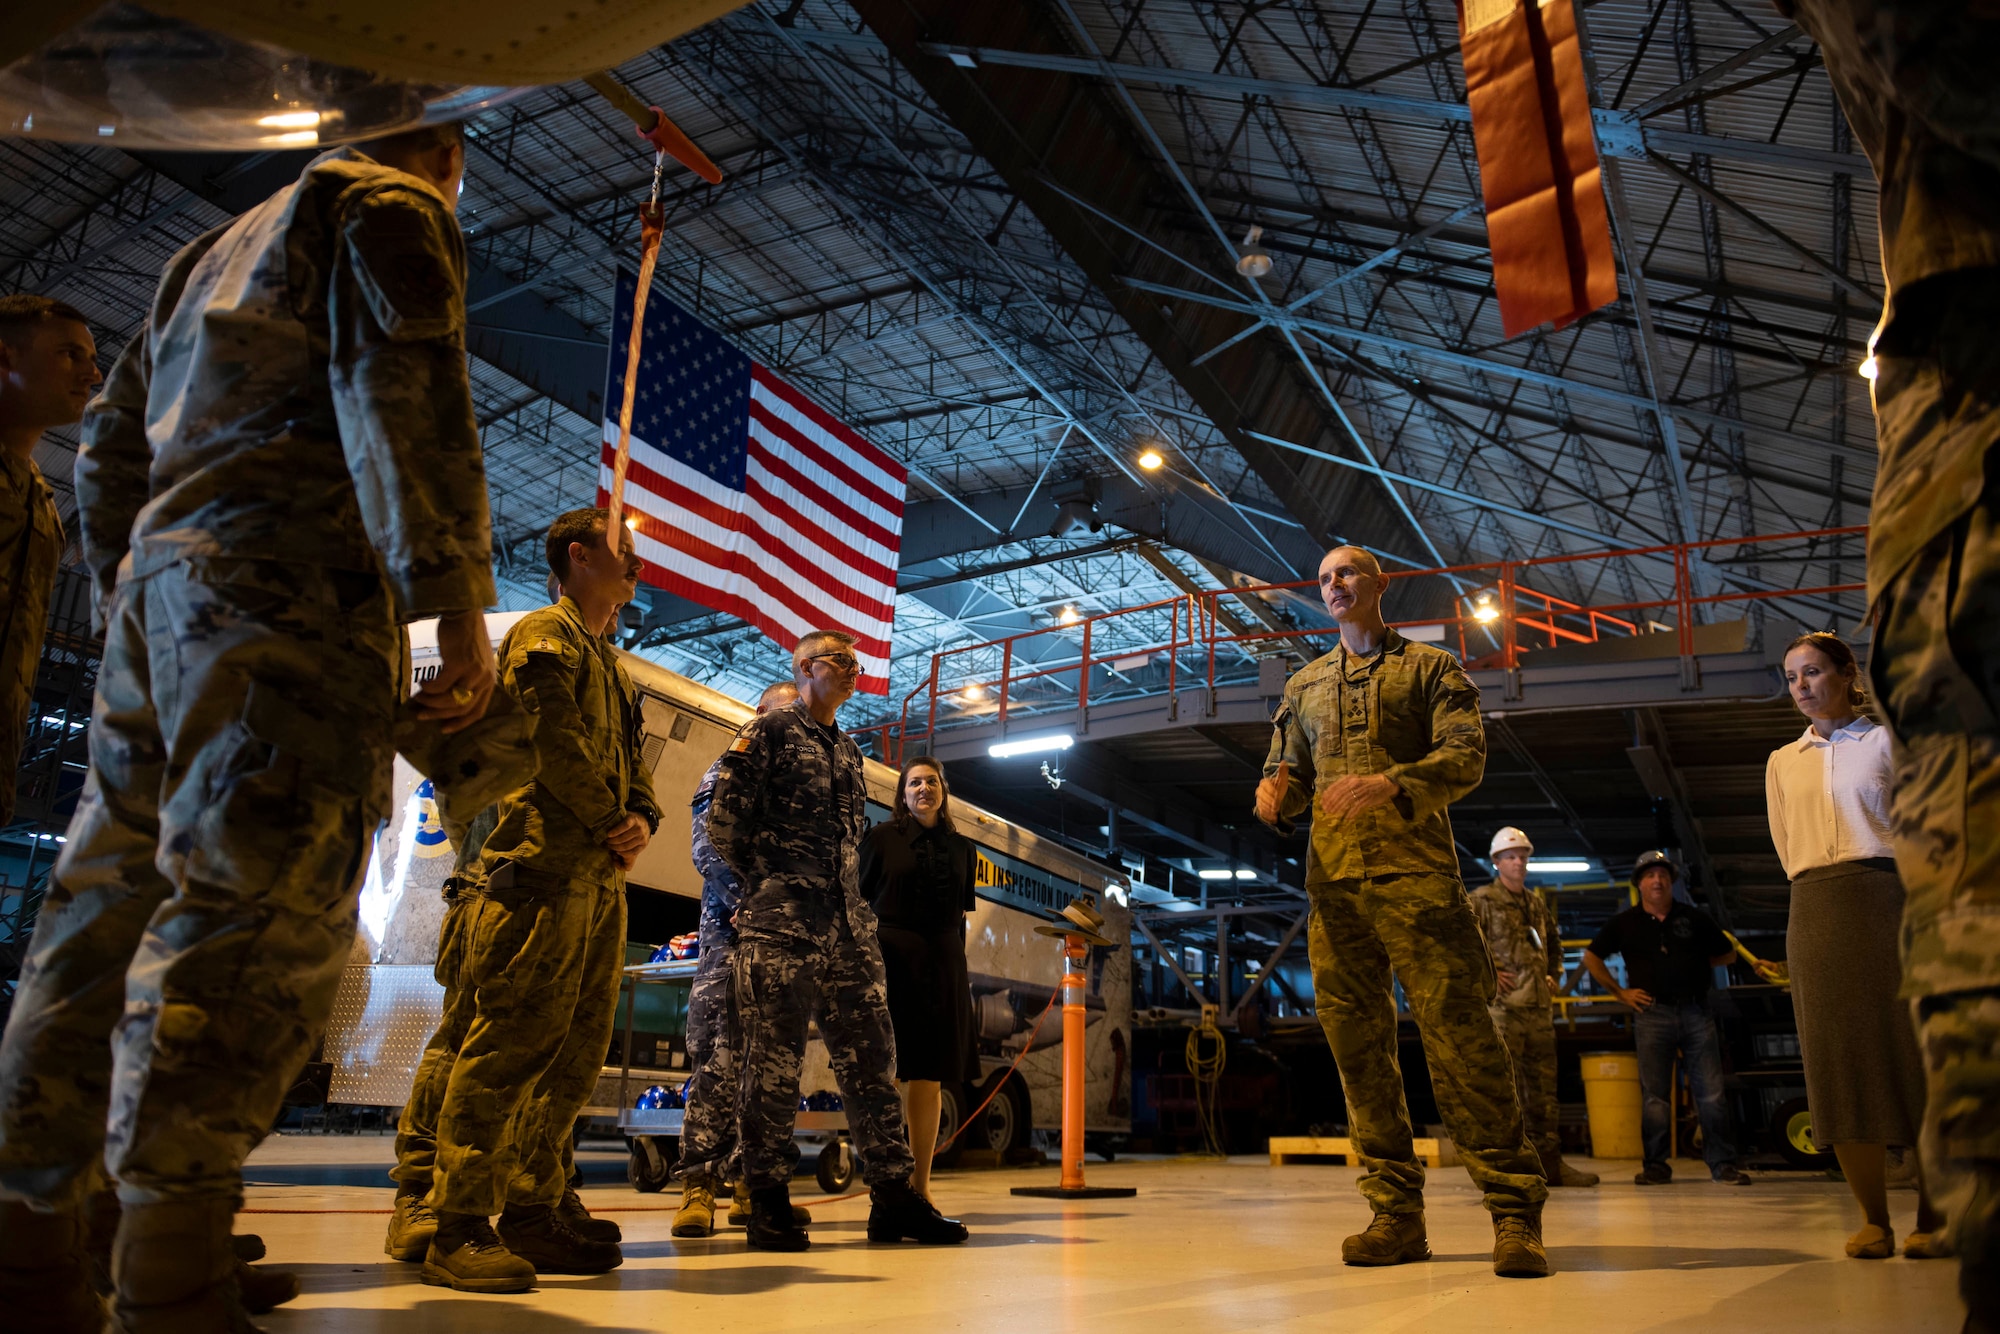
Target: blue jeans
x=1659 y=1032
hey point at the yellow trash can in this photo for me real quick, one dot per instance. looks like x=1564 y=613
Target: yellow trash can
x=1611 y=1091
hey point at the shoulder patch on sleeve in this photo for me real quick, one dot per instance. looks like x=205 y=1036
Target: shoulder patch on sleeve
x=740 y=744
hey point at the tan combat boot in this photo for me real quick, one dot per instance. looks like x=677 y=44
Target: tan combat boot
x=1391 y=1239
x=467 y=1256
x=44 y=1275
x=696 y=1216
x=264 y=1289
x=538 y=1234
x=1572 y=1176
x=570 y=1209
x=1517 y=1246
x=1559 y=1173
x=412 y=1225
x=174 y=1268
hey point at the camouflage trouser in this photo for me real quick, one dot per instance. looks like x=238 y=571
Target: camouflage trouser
x=708 y=1131
x=536 y=976
x=1936 y=670
x=15 y=697
x=1421 y=928
x=198 y=919
x=781 y=984
x=1530 y=1034
x=416 y=1132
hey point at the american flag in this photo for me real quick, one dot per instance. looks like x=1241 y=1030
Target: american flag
x=750 y=498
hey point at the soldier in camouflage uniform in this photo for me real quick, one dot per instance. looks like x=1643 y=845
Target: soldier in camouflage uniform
x=283 y=465
x=539 y=942
x=1915 y=78
x=708 y=1132
x=789 y=809
x=1520 y=934
x=48 y=367
x=1374 y=740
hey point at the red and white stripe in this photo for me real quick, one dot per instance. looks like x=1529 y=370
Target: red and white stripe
x=810 y=543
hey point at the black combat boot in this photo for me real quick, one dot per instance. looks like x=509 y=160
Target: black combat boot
x=898 y=1213
x=539 y=1235
x=773 y=1227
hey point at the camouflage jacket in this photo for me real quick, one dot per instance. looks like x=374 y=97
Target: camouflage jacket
x=1408 y=711
x=789 y=810
x=1915 y=78
x=31 y=543
x=720 y=890
x=1521 y=936
x=300 y=393
x=587 y=746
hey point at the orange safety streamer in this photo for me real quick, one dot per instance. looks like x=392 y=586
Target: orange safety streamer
x=652 y=224
x=1545 y=216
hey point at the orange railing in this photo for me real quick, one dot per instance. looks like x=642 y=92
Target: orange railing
x=1494 y=609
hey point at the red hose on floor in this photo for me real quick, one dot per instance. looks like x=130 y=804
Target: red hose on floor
x=1002 y=1081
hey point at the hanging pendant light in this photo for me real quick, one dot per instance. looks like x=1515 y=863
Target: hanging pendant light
x=1254 y=261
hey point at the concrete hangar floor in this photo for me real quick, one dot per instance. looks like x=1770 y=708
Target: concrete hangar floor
x=1209 y=1246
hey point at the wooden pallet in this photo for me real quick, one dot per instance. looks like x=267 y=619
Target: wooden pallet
x=1298 y=1148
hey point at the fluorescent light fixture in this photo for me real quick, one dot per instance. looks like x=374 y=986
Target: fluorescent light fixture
x=1217 y=875
x=1558 y=866
x=1034 y=745
x=1245 y=874
x=290 y=120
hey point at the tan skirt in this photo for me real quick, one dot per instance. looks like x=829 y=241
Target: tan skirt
x=1864 y=1076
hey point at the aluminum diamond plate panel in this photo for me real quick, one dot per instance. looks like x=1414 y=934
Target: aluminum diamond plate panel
x=382 y=1017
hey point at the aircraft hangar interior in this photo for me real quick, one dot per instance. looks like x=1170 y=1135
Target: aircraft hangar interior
x=1263 y=662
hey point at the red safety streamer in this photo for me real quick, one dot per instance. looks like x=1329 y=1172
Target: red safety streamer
x=652 y=224
x=1545 y=216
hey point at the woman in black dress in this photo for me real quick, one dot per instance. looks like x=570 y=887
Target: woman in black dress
x=917 y=871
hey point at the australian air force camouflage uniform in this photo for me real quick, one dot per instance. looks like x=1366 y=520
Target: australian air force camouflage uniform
x=289 y=448
x=1916 y=82
x=533 y=958
x=31 y=541
x=708 y=1134
x=1386 y=898
x=1520 y=934
x=788 y=813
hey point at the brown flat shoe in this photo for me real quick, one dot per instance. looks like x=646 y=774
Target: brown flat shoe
x=1872 y=1243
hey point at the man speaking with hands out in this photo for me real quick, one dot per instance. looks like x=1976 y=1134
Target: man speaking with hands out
x=1373 y=741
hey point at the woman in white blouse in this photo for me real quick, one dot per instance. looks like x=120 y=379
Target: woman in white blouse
x=1829 y=804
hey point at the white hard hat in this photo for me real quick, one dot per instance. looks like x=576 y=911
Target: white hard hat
x=1508 y=839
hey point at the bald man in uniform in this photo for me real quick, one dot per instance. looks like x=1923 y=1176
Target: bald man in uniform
x=1372 y=742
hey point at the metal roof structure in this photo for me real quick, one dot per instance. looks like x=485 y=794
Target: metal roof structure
x=1000 y=241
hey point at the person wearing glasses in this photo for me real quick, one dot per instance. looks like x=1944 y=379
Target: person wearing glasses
x=788 y=814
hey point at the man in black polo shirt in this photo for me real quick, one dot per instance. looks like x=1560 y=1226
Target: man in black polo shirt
x=1671 y=951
